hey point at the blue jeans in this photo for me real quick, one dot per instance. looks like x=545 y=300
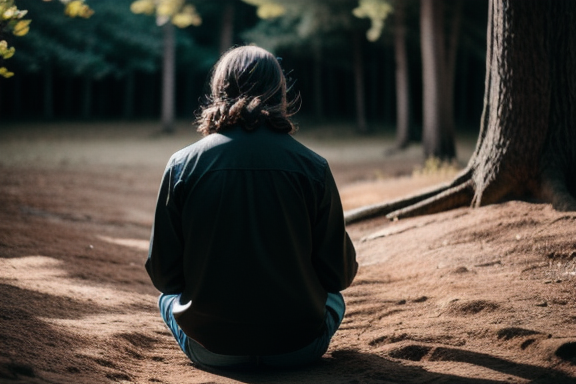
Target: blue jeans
x=335 y=309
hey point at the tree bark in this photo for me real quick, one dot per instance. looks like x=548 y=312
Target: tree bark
x=527 y=142
x=438 y=128
x=168 y=78
x=402 y=78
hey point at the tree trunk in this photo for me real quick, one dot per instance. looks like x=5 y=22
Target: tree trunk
x=128 y=107
x=402 y=78
x=438 y=132
x=17 y=97
x=48 y=93
x=86 y=97
x=527 y=142
x=168 y=78
x=68 y=97
x=227 y=26
x=359 y=88
x=318 y=95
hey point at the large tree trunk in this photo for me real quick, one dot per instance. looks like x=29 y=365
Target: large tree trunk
x=527 y=142
x=402 y=78
x=168 y=78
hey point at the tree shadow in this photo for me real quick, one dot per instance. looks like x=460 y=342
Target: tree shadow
x=32 y=348
x=530 y=372
x=349 y=366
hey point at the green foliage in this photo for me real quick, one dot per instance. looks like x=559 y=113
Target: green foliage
x=112 y=42
x=11 y=20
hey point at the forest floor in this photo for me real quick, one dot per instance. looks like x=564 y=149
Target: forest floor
x=466 y=296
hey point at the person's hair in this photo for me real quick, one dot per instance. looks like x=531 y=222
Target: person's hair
x=247 y=88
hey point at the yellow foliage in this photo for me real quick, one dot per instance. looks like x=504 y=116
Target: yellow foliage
x=270 y=11
x=21 y=28
x=377 y=11
x=9 y=13
x=146 y=7
x=176 y=11
x=267 y=9
x=5 y=72
x=169 y=7
x=187 y=17
x=77 y=8
x=6 y=52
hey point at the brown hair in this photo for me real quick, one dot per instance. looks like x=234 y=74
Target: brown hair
x=247 y=88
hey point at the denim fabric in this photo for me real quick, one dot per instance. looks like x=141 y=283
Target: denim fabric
x=335 y=309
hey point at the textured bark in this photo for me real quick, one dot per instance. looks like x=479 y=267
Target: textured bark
x=527 y=142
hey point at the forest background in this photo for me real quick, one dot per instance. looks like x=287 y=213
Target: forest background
x=110 y=66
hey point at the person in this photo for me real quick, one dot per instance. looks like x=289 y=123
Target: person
x=248 y=245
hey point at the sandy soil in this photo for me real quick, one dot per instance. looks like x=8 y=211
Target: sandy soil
x=465 y=296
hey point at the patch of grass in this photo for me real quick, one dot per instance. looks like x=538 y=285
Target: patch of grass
x=434 y=166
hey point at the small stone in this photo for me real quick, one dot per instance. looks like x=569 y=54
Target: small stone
x=542 y=304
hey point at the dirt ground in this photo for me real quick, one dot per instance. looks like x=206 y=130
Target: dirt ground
x=465 y=296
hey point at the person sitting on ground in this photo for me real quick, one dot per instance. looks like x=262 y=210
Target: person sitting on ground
x=249 y=246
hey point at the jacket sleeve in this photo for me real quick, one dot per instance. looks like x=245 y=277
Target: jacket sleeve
x=334 y=256
x=165 y=255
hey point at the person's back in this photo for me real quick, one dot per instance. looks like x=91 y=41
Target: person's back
x=249 y=228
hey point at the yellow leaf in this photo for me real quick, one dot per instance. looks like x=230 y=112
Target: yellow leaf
x=187 y=17
x=77 y=8
x=21 y=28
x=5 y=72
x=7 y=53
x=9 y=13
x=270 y=11
x=169 y=7
x=146 y=7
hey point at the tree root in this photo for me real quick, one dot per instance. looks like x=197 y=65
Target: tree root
x=455 y=194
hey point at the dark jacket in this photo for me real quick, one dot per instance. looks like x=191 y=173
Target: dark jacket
x=249 y=226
